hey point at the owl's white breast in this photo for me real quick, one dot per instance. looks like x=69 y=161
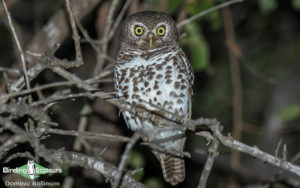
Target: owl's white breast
x=156 y=83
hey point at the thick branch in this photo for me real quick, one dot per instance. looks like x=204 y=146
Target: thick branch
x=108 y=170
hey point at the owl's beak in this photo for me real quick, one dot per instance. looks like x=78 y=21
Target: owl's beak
x=150 y=38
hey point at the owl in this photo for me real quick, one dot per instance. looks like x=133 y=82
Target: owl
x=31 y=169
x=152 y=72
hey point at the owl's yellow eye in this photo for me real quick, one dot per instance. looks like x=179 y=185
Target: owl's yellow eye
x=161 y=31
x=138 y=30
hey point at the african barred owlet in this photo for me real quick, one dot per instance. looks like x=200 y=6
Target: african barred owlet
x=153 y=72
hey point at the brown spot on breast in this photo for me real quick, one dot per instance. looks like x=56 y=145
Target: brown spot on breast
x=173 y=94
x=122 y=79
x=159 y=76
x=126 y=57
x=182 y=71
x=183 y=87
x=150 y=69
x=169 y=67
x=140 y=67
x=155 y=87
x=168 y=58
x=135 y=89
x=126 y=95
x=175 y=62
x=124 y=71
x=168 y=81
x=168 y=76
x=182 y=95
x=127 y=80
x=141 y=74
x=158 y=92
x=169 y=72
x=158 y=67
x=135 y=79
x=146 y=84
x=132 y=69
x=155 y=99
x=125 y=87
x=177 y=85
x=179 y=76
x=152 y=74
x=164 y=63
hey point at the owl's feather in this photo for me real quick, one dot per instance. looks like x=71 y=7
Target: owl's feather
x=173 y=169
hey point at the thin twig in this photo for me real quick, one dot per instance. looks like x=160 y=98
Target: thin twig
x=43 y=63
x=296 y=157
x=89 y=135
x=25 y=154
x=255 y=152
x=76 y=37
x=104 y=38
x=108 y=170
x=119 y=19
x=213 y=153
x=83 y=121
x=10 y=70
x=237 y=101
x=109 y=20
x=200 y=14
x=124 y=158
x=17 y=43
x=12 y=142
x=5 y=97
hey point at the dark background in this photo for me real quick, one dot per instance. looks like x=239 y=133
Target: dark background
x=266 y=47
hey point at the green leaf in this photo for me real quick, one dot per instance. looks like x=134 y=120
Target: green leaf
x=136 y=160
x=174 y=5
x=290 y=113
x=267 y=6
x=197 y=46
x=154 y=183
x=296 y=4
x=139 y=175
x=65 y=169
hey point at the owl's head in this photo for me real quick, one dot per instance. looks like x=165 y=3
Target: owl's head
x=148 y=30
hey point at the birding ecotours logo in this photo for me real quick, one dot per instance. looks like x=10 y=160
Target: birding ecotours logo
x=31 y=170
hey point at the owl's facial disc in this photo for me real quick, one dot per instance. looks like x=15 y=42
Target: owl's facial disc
x=148 y=30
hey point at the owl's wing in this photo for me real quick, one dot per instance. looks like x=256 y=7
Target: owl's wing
x=190 y=74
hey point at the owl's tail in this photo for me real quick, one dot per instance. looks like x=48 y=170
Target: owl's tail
x=173 y=169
